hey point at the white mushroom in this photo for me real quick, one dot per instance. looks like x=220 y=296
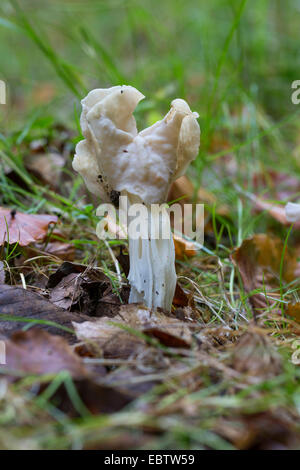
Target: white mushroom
x=114 y=159
x=292 y=212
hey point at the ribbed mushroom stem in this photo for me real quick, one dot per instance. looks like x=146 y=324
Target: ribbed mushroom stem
x=152 y=274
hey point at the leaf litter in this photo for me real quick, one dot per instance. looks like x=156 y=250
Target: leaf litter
x=17 y=227
x=77 y=347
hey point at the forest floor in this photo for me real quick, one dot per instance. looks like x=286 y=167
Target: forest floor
x=84 y=369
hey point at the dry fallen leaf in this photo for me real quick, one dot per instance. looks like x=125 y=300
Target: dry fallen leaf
x=23 y=228
x=37 y=352
x=17 y=304
x=183 y=248
x=169 y=331
x=108 y=340
x=81 y=288
x=67 y=292
x=273 y=429
x=255 y=356
x=182 y=189
x=280 y=186
x=180 y=298
x=96 y=397
x=56 y=245
x=47 y=167
x=129 y=378
x=293 y=310
x=64 y=270
x=64 y=251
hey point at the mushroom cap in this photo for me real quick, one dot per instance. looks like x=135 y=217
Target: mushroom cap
x=114 y=156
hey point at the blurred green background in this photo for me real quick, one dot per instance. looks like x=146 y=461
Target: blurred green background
x=215 y=54
x=232 y=60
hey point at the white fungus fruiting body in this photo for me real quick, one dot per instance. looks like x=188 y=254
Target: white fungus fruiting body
x=292 y=212
x=115 y=159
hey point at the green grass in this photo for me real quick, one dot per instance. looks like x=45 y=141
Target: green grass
x=234 y=62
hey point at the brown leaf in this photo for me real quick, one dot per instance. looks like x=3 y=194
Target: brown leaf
x=272 y=429
x=172 y=335
x=109 y=304
x=258 y=260
x=19 y=303
x=293 y=310
x=126 y=377
x=67 y=292
x=183 y=248
x=63 y=270
x=169 y=331
x=108 y=341
x=97 y=398
x=255 y=355
x=64 y=251
x=47 y=167
x=37 y=352
x=279 y=186
x=23 y=228
x=182 y=189
x=269 y=430
x=81 y=288
x=180 y=298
